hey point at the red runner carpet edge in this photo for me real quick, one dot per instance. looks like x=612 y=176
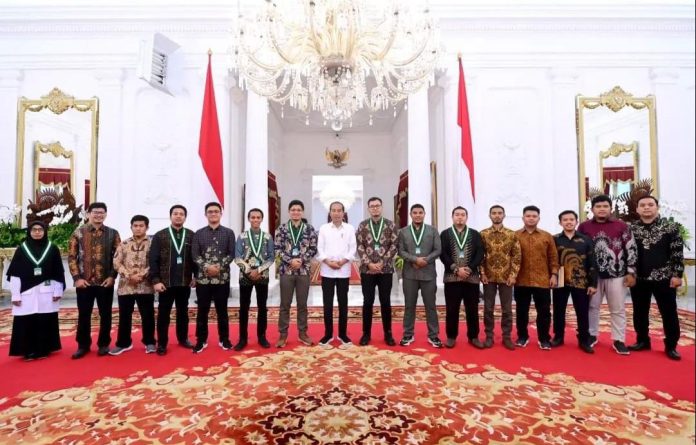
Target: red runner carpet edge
x=650 y=369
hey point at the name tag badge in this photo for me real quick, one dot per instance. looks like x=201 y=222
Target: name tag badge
x=376 y=246
x=179 y=260
x=295 y=252
x=461 y=254
x=418 y=250
x=37 y=271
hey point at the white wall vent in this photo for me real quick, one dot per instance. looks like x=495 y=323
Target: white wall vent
x=160 y=63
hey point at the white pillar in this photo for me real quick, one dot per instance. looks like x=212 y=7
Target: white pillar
x=565 y=153
x=256 y=172
x=10 y=81
x=419 y=189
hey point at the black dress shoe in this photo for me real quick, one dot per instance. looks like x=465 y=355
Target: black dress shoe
x=476 y=343
x=364 y=340
x=586 y=348
x=640 y=346
x=30 y=357
x=102 y=351
x=673 y=354
x=80 y=353
x=264 y=343
x=161 y=350
x=390 y=341
x=556 y=341
x=240 y=345
x=186 y=344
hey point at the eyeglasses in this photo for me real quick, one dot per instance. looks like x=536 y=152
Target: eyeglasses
x=375 y=206
x=37 y=229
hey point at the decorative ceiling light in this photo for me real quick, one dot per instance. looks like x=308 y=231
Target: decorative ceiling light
x=337 y=56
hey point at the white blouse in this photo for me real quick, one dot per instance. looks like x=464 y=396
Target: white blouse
x=38 y=299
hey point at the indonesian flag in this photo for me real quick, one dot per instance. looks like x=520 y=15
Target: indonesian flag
x=463 y=122
x=209 y=146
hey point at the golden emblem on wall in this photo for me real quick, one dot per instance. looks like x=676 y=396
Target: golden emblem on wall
x=337 y=158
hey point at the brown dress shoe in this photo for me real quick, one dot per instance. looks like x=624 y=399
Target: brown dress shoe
x=282 y=341
x=507 y=342
x=304 y=338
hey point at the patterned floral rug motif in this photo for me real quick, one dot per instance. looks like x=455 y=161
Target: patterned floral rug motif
x=347 y=395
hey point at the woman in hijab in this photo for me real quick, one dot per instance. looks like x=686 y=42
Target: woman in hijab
x=37 y=281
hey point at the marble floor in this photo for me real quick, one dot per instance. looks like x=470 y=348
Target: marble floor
x=354 y=298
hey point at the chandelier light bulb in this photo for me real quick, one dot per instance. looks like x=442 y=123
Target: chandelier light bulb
x=337 y=56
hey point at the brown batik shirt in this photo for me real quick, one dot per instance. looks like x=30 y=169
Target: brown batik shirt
x=374 y=251
x=539 y=258
x=502 y=254
x=91 y=253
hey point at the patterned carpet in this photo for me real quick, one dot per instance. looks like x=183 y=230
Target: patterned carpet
x=347 y=395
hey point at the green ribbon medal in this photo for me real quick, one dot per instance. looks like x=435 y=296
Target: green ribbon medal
x=461 y=242
x=37 y=263
x=295 y=237
x=178 y=246
x=376 y=236
x=417 y=238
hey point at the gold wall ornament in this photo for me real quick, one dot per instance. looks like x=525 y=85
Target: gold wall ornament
x=337 y=158
x=58 y=151
x=57 y=103
x=625 y=113
x=617 y=149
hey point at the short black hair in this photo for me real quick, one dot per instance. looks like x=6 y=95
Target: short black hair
x=97 y=205
x=416 y=206
x=460 y=208
x=601 y=198
x=213 y=204
x=496 y=206
x=177 y=206
x=567 y=212
x=531 y=209
x=343 y=208
x=143 y=218
x=254 y=210
x=657 y=203
x=295 y=202
x=374 y=198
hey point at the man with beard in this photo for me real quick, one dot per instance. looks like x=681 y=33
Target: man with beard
x=615 y=255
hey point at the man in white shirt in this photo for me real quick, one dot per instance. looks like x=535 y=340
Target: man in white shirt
x=335 y=250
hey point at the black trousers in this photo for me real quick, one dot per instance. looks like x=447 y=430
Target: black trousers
x=245 y=303
x=85 y=303
x=327 y=289
x=454 y=294
x=581 y=304
x=178 y=295
x=146 y=307
x=217 y=294
x=666 y=298
x=383 y=283
x=542 y=303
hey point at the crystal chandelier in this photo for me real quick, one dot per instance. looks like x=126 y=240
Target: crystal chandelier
x=337 y=56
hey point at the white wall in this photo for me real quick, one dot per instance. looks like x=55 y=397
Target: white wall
x=302 y=156
x=524 y=66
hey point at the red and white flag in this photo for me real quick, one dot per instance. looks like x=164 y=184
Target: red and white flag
x=463 y=122
x=209 y=146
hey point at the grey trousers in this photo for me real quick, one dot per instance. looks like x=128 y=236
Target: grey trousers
x=289 y=284
x=505 y=292
x=615 y=292
x=428 y=290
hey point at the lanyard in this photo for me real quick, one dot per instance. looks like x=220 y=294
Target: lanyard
x=417 y=239
x=31 y=257
x=255 y=249
x=462 y=243
x=376 y=237
x=295 y=237
x=177 y=247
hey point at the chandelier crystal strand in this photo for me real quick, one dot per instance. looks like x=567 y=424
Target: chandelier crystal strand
x=337 y=56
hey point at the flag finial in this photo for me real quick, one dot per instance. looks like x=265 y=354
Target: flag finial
x=459 y=55
x=210 y=52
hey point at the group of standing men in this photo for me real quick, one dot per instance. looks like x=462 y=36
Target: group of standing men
x=597 y=261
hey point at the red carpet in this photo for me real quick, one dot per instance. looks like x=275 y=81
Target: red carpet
x=352 y=394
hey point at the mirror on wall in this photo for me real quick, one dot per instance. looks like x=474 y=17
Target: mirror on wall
x=56 y=148
x=617 y=142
